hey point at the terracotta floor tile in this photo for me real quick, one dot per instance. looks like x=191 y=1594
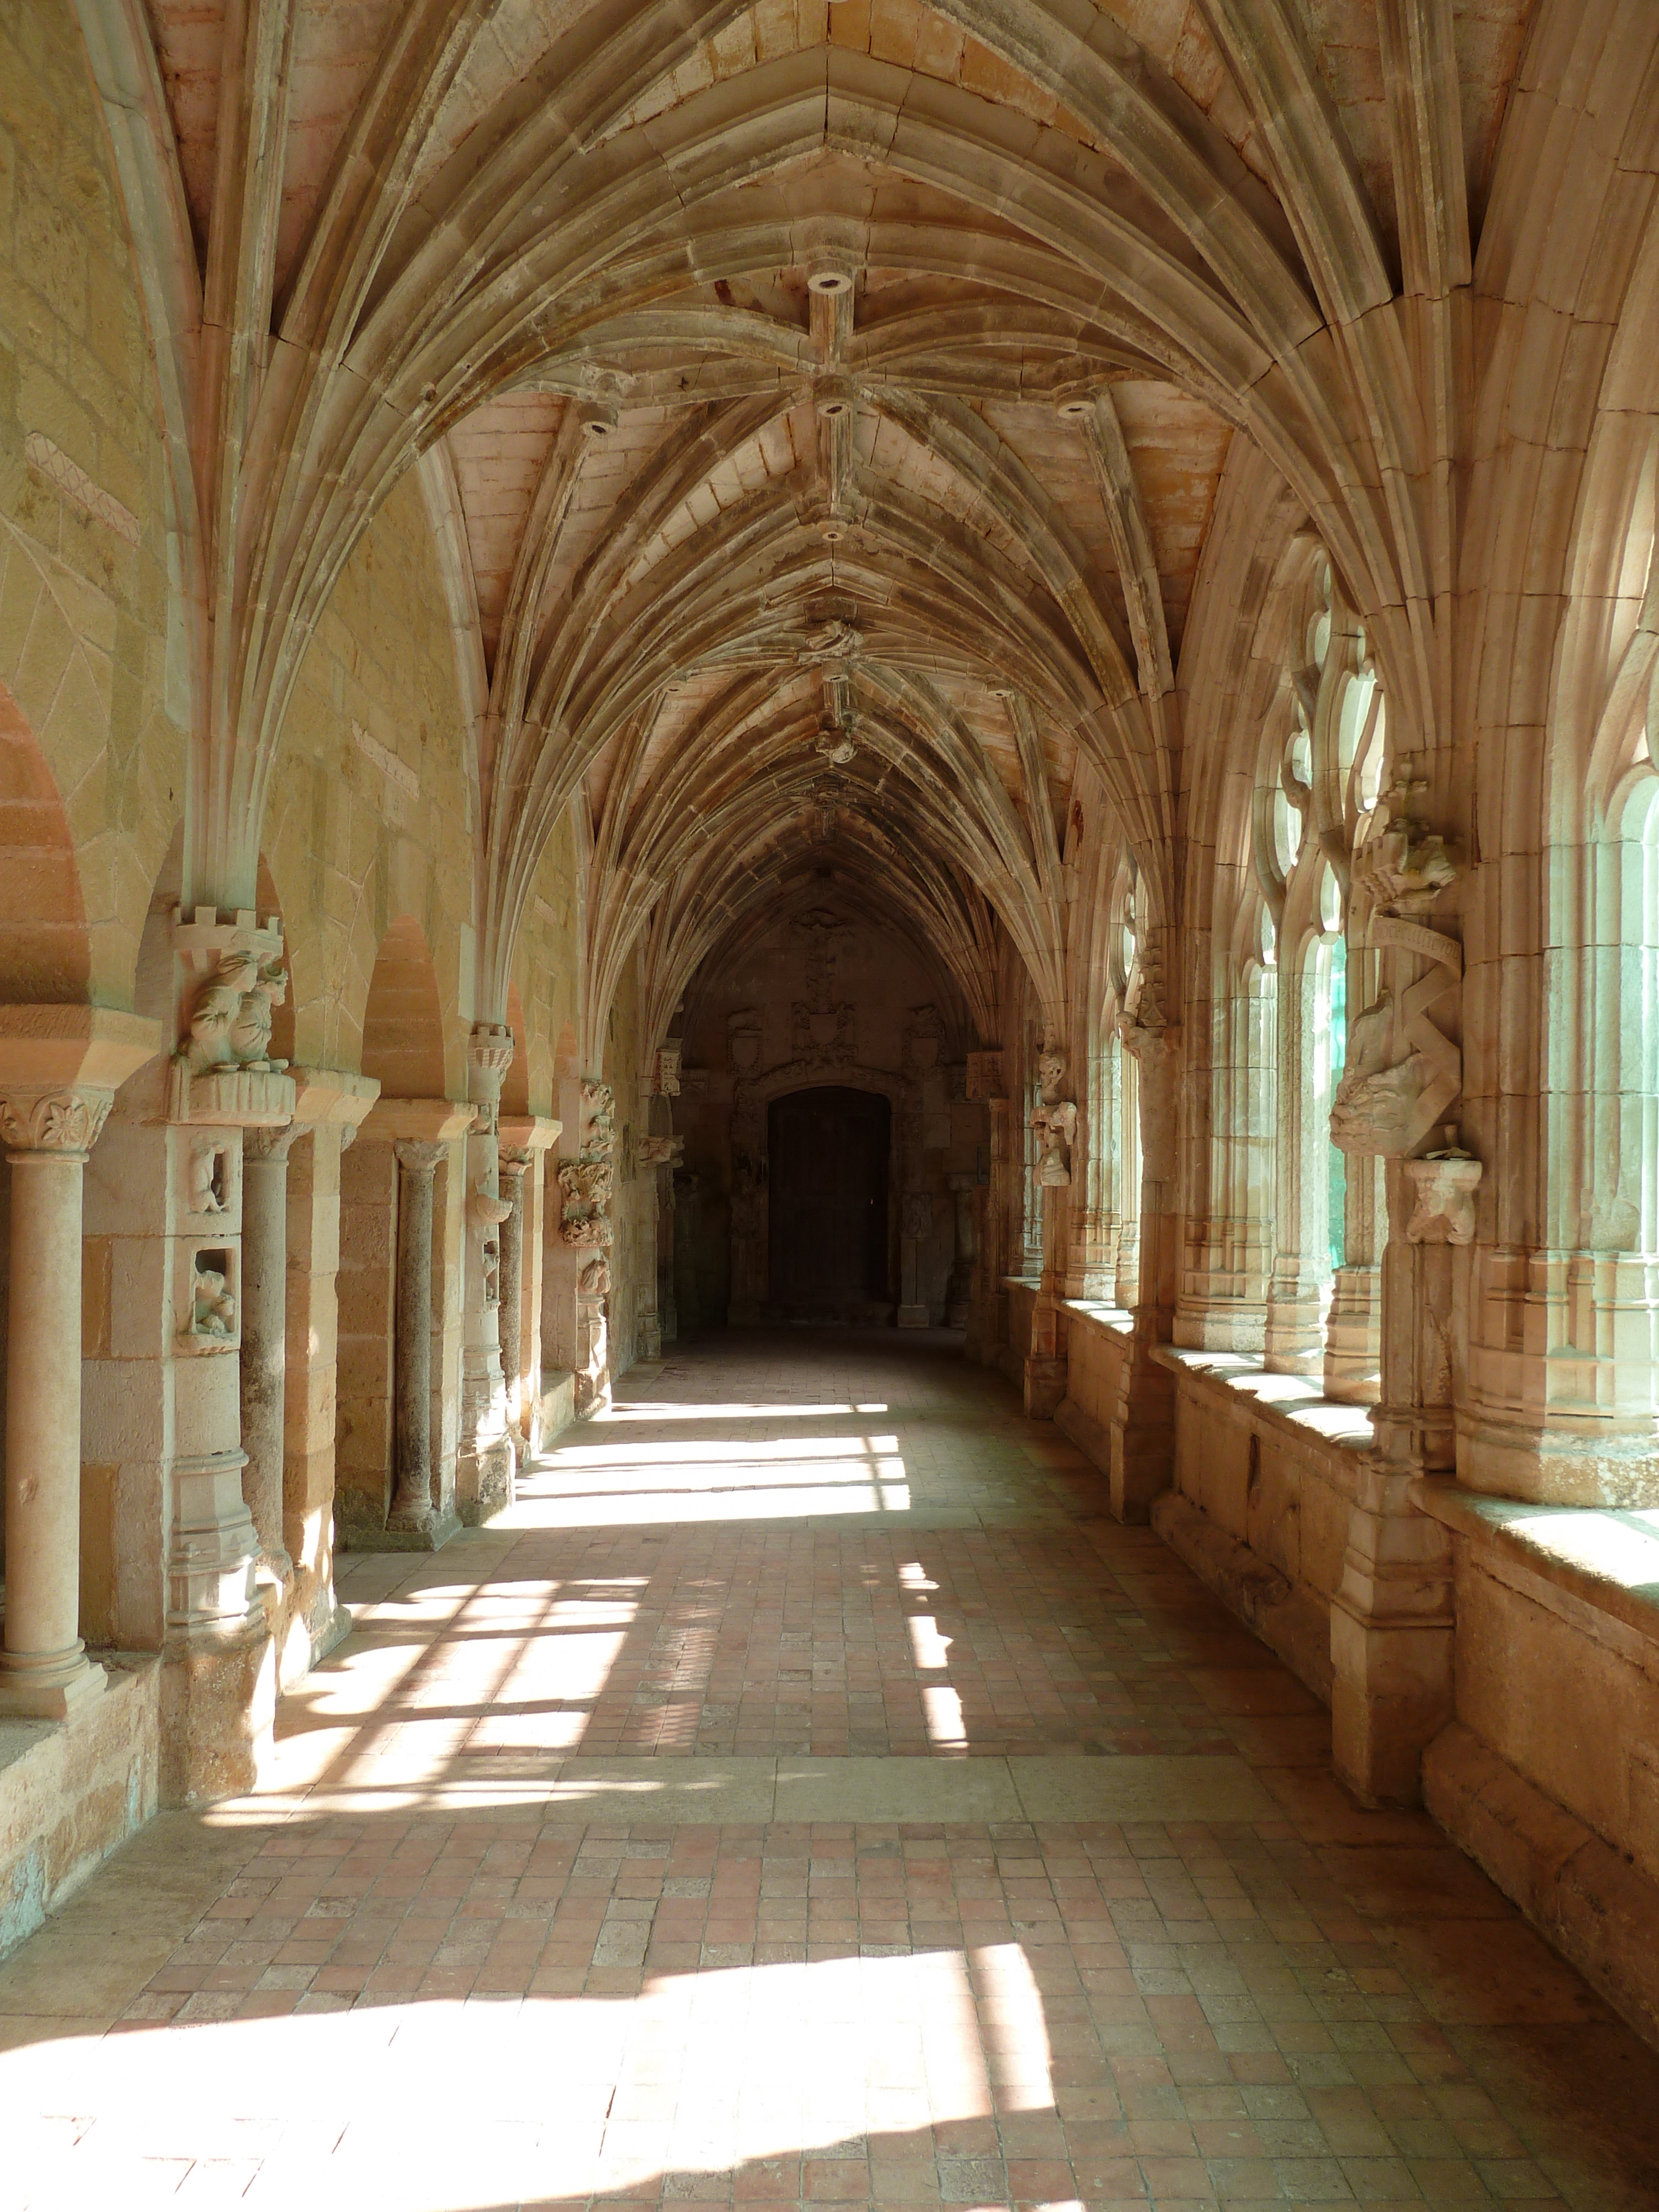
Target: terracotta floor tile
x=1328 y=2006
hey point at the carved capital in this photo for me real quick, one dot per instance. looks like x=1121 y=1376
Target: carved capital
x=419 y=1155
x=67 y=1123
x=269 y=1143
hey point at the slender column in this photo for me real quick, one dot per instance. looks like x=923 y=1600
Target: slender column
x=513 y=1166
x=264 y=1335
x=44 y=1669
x=411 y=1412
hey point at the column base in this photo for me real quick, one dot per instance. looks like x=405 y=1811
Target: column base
x=431 y=1535
x=913 y=1317
x=1391 y=1694
x=56 y=1694
x=1044 y=1387
x=485 y=1482
x=218 y=1710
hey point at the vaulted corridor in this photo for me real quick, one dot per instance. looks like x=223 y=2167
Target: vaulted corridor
x=804 y=1792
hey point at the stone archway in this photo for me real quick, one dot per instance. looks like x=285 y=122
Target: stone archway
x=752 y=1230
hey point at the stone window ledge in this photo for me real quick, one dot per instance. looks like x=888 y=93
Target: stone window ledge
x=1022 y=1283
x=1296 y=1401
x=1116 y=1321
x=1586 y=1562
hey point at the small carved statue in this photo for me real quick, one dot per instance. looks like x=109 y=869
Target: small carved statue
x=231 y=1021
x=204 y=1196
x=213 y=1309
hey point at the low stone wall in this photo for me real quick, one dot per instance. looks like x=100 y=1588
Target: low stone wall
x=1265 y=1470
x=1548 y=1776
x=1022 y=1302
x=1096 y=1346
x=71 y=1792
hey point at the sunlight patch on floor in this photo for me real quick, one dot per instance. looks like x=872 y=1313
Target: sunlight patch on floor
x=537 y=2098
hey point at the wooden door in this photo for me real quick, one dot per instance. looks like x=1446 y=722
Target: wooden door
x=826 y=1200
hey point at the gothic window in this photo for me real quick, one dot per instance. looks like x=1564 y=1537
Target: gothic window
x=1322 y=777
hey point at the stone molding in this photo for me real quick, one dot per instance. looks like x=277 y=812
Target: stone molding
x=417 y=1120
x=327 y=1095
x=527 y=1133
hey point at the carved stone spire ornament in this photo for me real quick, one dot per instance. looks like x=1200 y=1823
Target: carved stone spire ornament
x=1403 y=1071
x=585 y=1182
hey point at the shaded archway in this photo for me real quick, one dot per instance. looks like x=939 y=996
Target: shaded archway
x=44 y=955
x=402 y=1020
x=828 y=1250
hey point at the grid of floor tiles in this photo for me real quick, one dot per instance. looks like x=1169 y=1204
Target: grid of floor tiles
x=405 y=1974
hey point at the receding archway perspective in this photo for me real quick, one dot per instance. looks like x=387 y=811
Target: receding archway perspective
x=829 y=1067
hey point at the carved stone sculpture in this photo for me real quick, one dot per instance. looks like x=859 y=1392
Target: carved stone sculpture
x=1443 y=1185
x=213 y=1309
x=230 y=1021
x=1055 y=1129
x=205 y=1173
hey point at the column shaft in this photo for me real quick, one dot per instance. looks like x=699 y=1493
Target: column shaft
x=43 y=1659
x=511 y=1291
x=264 y=1335
x=411 y=1416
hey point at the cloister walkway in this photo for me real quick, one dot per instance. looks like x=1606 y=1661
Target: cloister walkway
x=806 y=1795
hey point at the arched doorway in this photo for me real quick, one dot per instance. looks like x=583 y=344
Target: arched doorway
x=827 y=1160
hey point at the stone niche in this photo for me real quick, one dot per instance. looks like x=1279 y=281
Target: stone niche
x=825 y=998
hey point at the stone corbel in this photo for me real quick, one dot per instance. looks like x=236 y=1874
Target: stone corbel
x=222 y=1071
x=661 y=1151
x=60 y=1068
x=523 y=1135
x=333 y=1097
x=1443 y=1185
x=416 y=1121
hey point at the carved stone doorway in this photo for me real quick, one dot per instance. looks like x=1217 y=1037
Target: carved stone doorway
x=827 y=1150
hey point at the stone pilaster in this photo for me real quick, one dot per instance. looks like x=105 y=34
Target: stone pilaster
x=526 y=1141
x=264 y=1338
x=486 y=1463
x=415 y=1508
x=59 y=1070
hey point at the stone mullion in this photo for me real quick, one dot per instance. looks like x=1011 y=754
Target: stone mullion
x=1293 y=1339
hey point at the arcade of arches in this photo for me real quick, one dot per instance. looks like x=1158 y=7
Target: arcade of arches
x=675 y=667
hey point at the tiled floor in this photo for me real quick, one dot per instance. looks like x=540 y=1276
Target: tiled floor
x=480 y=1944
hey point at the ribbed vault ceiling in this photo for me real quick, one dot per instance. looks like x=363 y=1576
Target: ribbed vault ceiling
x=832 y=400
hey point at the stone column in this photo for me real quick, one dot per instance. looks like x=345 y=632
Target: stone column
x=915 y=1225
x=487 y=1459
x=525 y=1142
x=44 y=1670
x=264 y=1335
x=513 y=1166
x=411 y=1404
x=1143 y=1421
x=60 y=1068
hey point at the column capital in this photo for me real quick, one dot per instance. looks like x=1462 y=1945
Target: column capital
x=420 y=1155
x=264 y=1142
x=54 y=1124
